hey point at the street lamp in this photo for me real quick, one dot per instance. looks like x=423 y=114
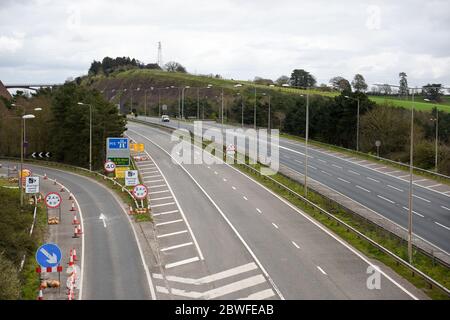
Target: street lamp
x=182 y=100
x=24 y=118
x=357 y=122
x=90 y=133
x=437 y=136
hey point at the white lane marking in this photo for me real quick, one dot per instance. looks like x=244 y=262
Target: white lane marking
x=372 y=179
x=275 y=225
x=209 y=167
x=215 y=172
x=343 y=180
x=296 y=245
x=421 y=180
x=441 y=225
x=385 y=199
x=145 y=165
x=210 y=278
x=406 y=175
x=336 y=166
x=159 y=186
x=298 y=161
x=379 y=168
x=314 y=168
x=162 y=198
x=171 y=234
x=180 y=263
x=224 y=180
x=168 y=222
x=261 y=295
x=395 y=188
x=164 y=213
x=327 y=173
x=103 y=218
x=245 y=198
x=177 y=246
x=371 y=164
x=233 y=187
x=416 y=213
x=154 y=176
x=162 y=191
x=391 y=172
x=259 y=211
x=435 y=185
x=354 y=172
x=162 y=204
x=216 y=292
x=423 y=199
x=364 y=189
x=151 y=181
x=149 y=172
x=321 y=270
x=445 y=208
x=321 y=160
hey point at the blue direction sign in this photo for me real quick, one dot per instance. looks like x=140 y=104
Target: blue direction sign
x=48 y=255
x=118 y=143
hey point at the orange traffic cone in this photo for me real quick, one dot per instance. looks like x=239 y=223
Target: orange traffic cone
x=75 y=220
x=45 y=176
x=41 y=295
x=54 y=182
x=75 y=232
x=62 y=189
x=79 y=230
x=74 y=254
x=73 y=207
x=70 y=197
x=71 y=259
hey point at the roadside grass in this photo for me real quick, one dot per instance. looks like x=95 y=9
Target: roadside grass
x=364 y=156
x=391 y=242
x=140 y=217
x=418 y=104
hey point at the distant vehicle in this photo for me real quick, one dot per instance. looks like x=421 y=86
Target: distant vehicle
x=285 y=85
x=165 y=118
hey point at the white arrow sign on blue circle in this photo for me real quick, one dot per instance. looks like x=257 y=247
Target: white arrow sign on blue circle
x=48 y=255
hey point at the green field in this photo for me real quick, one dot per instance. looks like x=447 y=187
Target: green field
x=163 y=79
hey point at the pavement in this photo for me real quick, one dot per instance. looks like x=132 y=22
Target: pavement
x=221 y=235
x=378 y=187
x=113 y=266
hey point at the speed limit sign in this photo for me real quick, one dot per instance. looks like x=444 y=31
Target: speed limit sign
x=140 y=191
x=52 y=200
x=110 y=166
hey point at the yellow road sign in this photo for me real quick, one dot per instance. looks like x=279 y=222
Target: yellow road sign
x=120 y=172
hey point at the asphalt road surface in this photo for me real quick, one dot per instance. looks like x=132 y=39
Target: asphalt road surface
x=377 y=187
x=241 y=240
x=113 y=268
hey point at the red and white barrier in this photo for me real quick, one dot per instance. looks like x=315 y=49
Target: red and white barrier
x=49 y=269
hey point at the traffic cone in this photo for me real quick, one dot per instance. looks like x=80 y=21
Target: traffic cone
x=79 y=230
x=75 y=232
x=54 y=182
x=70 y=197
x=62 y=189
x=45 y=176
x=41 y=295
x=71 y=259
x=74 y=254
x=73 y=207
x=75 y=220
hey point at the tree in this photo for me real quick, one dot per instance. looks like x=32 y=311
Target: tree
x=340 y=83
x=173 y=66
x=260 y=80
x=432 y=91
x=403 y=90
x=359 y=83
x=302 y=78
x=386 y=89
x=282 y=80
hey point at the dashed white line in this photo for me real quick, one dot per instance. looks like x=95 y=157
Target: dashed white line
x=233 y=187
x=245 y=198
x=314 y=168
x=441 y=225
x=164 y=213
x=177 y=246
x=354 y=172
x=162 y=191
x=321 y=160
x=162 y=198
x=182 y=262
x=364 y=189
x=298 y=161
x=151 y=181
x=172 y=234
x=225 y=180
x=259 y=211
x=168 y=222
x=321 y=270
x=415 y=212
x=162 y=205
x=275 y=225
x=385 y=199
x=159 y=186
x=327 y=173
x=336 y=166
x=445 y=208
x=215 y=172
x=373 y=179
x=343 y=180
x=295 y=245
x=423 y=199
x=395 y=188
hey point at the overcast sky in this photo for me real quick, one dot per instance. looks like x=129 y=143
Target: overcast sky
x=49 y=40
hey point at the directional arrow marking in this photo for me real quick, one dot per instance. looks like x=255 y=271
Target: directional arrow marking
x=52 y=259
x=103 y=218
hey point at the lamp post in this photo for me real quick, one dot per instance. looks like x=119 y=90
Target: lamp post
x=90 y=132
x=357 y=121
x=306 y=144
x=23 y=132
x=182 y=100
x=436 y=138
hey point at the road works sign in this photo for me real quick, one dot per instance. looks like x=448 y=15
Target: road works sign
x=48 y=255
x=118 y=151
x=52 y=200
x=137 y=147
x=32 y=185
x=140 y=192
x=131 y=178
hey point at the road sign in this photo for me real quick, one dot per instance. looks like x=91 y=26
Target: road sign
x=53 y=200
x=164 y=107
x=131 y=178
x=48 y=255
x=26 y=173
x=41 y=154
x=118 y=151
x=137 y=147
x=120 y=172
x=32 y=185
x=140 y=192
x=231 y=149
x=110 y=166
